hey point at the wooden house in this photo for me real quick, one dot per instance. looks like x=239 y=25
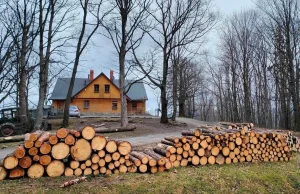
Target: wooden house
x=99 y=95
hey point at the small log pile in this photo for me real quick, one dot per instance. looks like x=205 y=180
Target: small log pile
x=68 y=152
x=293 y=142
x=209 y=146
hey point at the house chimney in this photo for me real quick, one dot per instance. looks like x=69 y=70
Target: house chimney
x=91 y=75
x=111 y=75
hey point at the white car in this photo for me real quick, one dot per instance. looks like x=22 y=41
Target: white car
x=74 y=111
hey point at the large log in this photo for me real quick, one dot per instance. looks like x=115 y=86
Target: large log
x=111 y=146
x=60 y=151
x=88 y=132
x=55 y=168
x=98 y=142
x=124 y=147
x=62 y=133
x=82 y=150
x=111 y=130
x=10 y=162
x=35 y=171
x=45 y=148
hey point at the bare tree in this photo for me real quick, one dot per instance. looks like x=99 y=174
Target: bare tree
x=55 y=18
x=87 y=6
x=124 y=30
x=192 y=19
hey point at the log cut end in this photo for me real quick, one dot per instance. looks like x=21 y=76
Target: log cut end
x=98 y=142
x=36 y=171
x=81 y=151
x=88 y=132
x=55 y=168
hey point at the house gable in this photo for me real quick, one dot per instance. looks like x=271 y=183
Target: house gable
x=101 y=80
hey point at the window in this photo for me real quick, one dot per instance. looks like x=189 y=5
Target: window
x=106 y=89
x=114 y=105
x=133 y=105
x=86 y=104
x=96 y=88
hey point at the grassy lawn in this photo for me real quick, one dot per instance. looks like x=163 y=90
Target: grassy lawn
x=277 y=177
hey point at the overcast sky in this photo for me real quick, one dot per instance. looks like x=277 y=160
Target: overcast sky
x=101 y=56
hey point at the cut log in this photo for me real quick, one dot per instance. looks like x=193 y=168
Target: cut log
x=172 y=139
x=95 y=158
x=82 y=150
x=10 y=162
x=101 y=162
x=111 y=130
x=28 y=144
x=211 y=160
x=116 y=156
x=123 y=169
x=225 y=151
x=101 y=153
x=20 y=152
x=141 y=156
x=14 y=138
x=3 y=173
x=69 y=172
x=160 y=159
x=98 y=142
x=201 y=152
x=74 y=164
x=16 y=173
x=195 y=160
x=108 y=158
x=168 y=143
x=215 y=151
x=220 y=159
x=88 y=132
x=162 y=151
x=111 y=146
x=88 y=163
x=78 y=172
x=33 y=151
x=36 y=158
x=143 y=168
x=62 y=133
x=42 y=139
x=124 y=147
x=132 y=169
x=60 y=151
x=102 y=170
x=169 y=148
x=25 y=162
x=35 y=171
x=74 y=132
x=35 y=135
x=95 y=166
x=135 y=160
x=55 y=169
x=53 y=139
x=153 y=169
x=45 y=160
x=70 y=140
x=45 y=148
x=88 y=171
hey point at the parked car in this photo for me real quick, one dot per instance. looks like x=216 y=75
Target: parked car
x=74 y=111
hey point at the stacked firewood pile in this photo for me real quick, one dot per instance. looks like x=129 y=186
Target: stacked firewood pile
x=68 y=152
x=207 y=146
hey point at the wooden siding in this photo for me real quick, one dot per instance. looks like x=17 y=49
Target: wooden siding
x=101 y=80
x=100 y=102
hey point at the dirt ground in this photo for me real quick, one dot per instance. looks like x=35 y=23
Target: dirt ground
x=144 y=126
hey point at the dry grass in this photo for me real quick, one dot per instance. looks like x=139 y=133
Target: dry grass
x=277 y=177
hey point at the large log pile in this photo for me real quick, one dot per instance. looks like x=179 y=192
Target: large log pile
x=68 y=152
